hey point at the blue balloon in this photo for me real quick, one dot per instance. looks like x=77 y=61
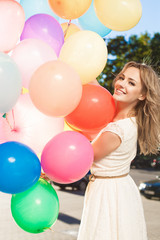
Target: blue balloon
x=20 y=168
x=32 y=7
x=90 y=21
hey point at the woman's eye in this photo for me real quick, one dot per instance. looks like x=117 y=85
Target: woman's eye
x=121 y=78
x=131 y=83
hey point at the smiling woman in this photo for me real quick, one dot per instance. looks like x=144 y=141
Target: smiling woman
x=139 y=86
x=128 y=88
x=107 y=212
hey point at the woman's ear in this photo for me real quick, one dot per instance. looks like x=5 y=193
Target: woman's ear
x=142 y=97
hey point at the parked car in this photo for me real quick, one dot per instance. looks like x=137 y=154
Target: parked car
x=155 y=163
x=146 y=163
x=78 y=185
x=151 y=188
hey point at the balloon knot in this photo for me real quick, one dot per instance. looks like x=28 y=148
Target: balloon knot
x=15 y=129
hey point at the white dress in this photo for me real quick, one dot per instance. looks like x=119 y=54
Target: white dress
x=112 y=207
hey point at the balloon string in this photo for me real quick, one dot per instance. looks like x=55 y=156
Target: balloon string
x=50 y=229
x=65 y=32
x=47 y=228
x=8 y=121
x=13 y=119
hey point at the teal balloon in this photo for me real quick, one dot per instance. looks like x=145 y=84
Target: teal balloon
x=32 y=7
x=10 y=83
x=90 y=21
x=36 y=209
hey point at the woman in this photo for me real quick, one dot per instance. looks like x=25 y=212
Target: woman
x=113 y=208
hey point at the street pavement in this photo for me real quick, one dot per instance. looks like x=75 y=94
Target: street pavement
x=71 y=204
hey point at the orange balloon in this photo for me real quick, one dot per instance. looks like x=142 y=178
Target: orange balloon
x=69 y=29
x=69 y=9
x=55 y=88
x=95 y=110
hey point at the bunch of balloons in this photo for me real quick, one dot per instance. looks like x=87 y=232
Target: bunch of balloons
x=47 y=71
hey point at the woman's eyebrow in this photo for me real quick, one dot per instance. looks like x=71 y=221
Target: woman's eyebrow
x=123 y=75
x=128 y=78
x=132 y=79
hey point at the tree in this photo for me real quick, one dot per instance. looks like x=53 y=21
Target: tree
x=141 y=48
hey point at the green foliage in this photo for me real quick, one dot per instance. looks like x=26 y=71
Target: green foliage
x=143 y=48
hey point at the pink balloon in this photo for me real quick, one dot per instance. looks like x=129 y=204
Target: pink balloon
x=27 y=125
x=12 y=19
x=46 y=28
x=29 y=54
x=67 y=157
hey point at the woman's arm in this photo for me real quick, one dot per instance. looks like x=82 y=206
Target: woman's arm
x=105 y=144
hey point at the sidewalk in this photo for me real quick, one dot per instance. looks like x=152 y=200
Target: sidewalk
x=66 y=227
x=71 y=204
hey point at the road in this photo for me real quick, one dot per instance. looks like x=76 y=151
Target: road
x=71 y=203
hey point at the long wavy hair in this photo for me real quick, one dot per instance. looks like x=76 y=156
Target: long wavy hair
x=147 y=111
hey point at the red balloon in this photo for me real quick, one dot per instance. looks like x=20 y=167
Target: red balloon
x=89 y=135
x=95 y=110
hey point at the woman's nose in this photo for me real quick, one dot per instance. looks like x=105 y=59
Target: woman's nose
x=122 y=83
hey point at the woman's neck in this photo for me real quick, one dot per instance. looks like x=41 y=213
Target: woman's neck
x=123 y=111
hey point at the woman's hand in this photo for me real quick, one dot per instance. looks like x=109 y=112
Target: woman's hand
x=43 y=175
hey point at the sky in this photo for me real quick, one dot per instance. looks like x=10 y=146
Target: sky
x=150 y=20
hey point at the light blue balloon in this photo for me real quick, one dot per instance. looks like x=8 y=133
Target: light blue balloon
x=32 y=7
x=90 y=21
x=10 y=83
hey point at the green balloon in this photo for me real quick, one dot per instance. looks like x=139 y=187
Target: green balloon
x=36 y=209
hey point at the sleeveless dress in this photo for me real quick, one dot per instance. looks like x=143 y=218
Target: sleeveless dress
x=112 y=207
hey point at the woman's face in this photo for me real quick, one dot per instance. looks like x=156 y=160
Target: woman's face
x=128 y=87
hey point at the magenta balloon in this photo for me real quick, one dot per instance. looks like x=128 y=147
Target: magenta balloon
x=67 y=157
x=46 y=28
x=26 y=124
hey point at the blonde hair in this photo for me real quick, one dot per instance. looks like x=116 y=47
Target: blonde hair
x=147 y=111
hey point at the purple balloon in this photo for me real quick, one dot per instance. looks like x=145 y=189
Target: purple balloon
x=46 y=28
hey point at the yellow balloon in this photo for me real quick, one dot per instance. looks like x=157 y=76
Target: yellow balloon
x=118 y=15
x=69 y=9
x=67 y=127
x=39 y=155
x=86 y=52
x=69 y=29
x=24 y=90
